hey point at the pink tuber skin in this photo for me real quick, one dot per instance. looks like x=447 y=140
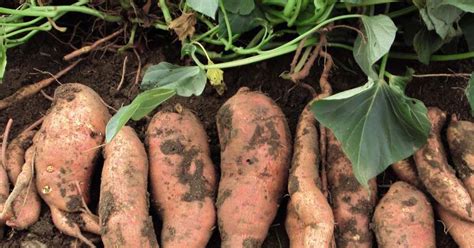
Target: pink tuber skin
x=183 y=178
x=62 y=158
x=25 y=209
x=123 y=205
x=255 y=156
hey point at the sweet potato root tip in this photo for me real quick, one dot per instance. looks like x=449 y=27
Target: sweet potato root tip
x=255 y=153
x=437 y=175
x=123 y=204
x=404 y=218
x=182 y=178
x=352 y=204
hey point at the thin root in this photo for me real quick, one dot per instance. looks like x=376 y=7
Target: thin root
x=124 y=69
x=32 y=89
x=87 y=49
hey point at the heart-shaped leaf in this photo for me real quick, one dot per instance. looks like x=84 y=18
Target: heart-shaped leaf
x=376 y=124
x=379 y=34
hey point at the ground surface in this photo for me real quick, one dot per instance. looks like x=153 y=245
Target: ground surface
x=102 y=71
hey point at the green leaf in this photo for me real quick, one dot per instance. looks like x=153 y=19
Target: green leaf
x=440 y=17
x=426 y=43
x=186 y=80
x=3 y=60
x=465 y=5
x=240 y=23
x=143 y=104
x=241 y=7
x=377 y=125
x=379 y=34
x=470 y=93
x=206 y=7
x=467 y=27
x=400 y=82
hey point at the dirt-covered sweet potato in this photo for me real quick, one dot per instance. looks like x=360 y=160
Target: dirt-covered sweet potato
x=183 y=178
x=63 y=154
x=404 y=218
x=4 y=191
x=294 y=227
x=123 y=204
x=308 y=203
x=255 y=156
x=462 y=231
x=352 y=204
x=461 y=146
x=26 y=207
x=406 y=171
x=437 y=175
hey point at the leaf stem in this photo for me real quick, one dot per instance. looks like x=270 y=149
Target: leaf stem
x=383 y=65
x=166 y=12
x=227 y=24
x=402 y=12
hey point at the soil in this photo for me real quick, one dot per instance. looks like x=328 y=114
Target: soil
x=102 y=71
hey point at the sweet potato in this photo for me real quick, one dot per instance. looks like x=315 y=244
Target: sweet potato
x=352 y=204
x=255 y=156
x=26 y=207
x=462 y=231
x=123 y=204
x=404 y=218
x=183 y=178
x=437 y=175
x=63 y=155
x=406 y=171
x=461 y=146
x=295 y=227
x=308 y=202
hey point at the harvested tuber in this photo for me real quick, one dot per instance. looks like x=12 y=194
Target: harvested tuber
x=308 y=204
x=406 y=171
x=462 y=231
x=404 y=218
x=461 y=146
x=352 y=204
x=255 y=156
x=62 y=157
x=123 y=204
x=26 y=207
x=183 y=178
x=437 y=175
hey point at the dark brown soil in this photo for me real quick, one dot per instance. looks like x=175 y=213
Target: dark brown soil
x=102 y=71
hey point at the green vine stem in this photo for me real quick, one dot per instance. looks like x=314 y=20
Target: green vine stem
x=227 y=24
x=166 y=11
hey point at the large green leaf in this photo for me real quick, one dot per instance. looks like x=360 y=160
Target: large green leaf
x=426 y=43
x=465 y=5
x=143 y=104
x=3 y=60
x=379 y=34
x=206 y=7
x=367 y=2
x=470 y=93
x=400 y=82
x=377 y=125
x=241 y=7
x=186 y=80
